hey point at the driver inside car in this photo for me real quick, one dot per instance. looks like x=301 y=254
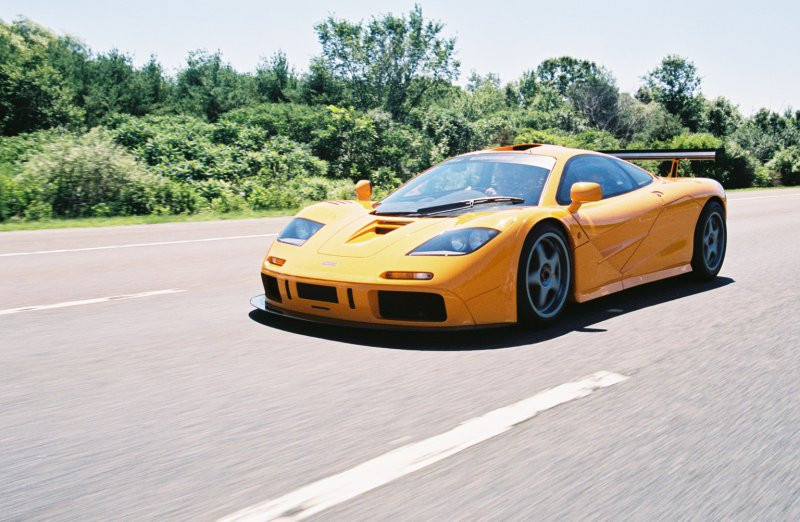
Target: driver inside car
x=510 y=182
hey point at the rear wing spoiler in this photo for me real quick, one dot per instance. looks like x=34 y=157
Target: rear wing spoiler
x=673 y=155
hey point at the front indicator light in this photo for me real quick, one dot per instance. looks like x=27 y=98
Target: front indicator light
x=420 y=276
x=276 y=260
x=455 y=242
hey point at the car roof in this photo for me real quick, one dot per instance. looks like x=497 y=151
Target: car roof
x=539 y=149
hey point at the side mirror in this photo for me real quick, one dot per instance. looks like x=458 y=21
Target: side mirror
x=584 y=192
x=363 y=190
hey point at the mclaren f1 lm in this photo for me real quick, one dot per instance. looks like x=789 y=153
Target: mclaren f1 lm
x=499 y=236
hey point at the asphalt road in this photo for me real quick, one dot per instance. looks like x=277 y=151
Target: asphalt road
x=184 y=405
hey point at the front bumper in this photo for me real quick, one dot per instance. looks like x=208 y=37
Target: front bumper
x=260 y=302
x=374 y=305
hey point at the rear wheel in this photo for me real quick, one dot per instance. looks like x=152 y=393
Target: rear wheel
x=710 y=241
x=544 y=277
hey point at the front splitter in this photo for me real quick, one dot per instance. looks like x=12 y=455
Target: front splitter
x=260 y=302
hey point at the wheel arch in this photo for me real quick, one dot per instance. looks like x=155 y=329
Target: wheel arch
x=564 y=228
x=532 y=228
x=720 y=201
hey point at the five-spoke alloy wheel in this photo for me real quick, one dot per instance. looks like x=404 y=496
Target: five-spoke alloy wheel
x=710 y=240
x=545 y=275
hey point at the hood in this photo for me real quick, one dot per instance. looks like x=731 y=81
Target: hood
x=370 y=234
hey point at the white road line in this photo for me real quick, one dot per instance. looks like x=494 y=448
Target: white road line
x=763 y=197
x=34 y=308
x=133 y=245
x=381 y=470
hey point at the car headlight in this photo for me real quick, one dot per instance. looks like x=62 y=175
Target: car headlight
x=455 y=242
x=298 y=231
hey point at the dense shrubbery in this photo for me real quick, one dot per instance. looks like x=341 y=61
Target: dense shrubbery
x=86 y=134
x=786 y=165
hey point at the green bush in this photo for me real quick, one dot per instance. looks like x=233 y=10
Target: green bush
x=15 y=150
x=154 y=194
x=12 y=203
x=589 y=139
x=85 y=176
x=736 y=168
x=764 y=177
x=296 y=122
x=786 y=163
x=296 y=191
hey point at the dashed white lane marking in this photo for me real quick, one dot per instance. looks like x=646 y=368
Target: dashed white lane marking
x=133 y=245
x=764 y=197
x=336 y=489
x=65 y=304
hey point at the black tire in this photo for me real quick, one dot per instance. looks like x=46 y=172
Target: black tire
x=544 y=276
x=710 y=242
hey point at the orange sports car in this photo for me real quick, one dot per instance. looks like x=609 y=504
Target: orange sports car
x=495 y=237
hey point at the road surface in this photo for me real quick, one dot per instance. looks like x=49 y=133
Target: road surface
x=136 y=383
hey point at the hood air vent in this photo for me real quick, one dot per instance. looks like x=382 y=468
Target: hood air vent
x=380 y=227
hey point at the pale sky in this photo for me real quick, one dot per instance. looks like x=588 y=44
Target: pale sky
x=748 y=52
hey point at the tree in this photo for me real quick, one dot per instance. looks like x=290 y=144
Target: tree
x=209 y=87
x=766 y=132
x=33 y=93
x=274 y=78
x=113 y=85
x=152 y=85
x=564 y=72
x=676 y=86
x=597 y=99
x=389 y=62
x=483 y=97
x=319 y=86
x=588 y=87
x=721 y=117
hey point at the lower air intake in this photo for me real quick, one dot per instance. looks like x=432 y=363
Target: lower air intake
x=326 y=294
x=411 y=306
x=271 y=288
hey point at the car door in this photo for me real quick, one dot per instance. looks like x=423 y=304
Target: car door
x=671 y=240
x=615 y=225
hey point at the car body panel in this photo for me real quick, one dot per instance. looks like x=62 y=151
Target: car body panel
x=618 y=242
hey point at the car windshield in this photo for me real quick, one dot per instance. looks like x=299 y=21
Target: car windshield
x=493 y=175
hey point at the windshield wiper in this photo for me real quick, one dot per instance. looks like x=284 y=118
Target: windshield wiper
x=468 y=203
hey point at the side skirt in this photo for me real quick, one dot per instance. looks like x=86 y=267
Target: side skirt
x=630 y=282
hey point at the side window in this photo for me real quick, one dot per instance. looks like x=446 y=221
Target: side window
x=640 y=176
x=596 y=169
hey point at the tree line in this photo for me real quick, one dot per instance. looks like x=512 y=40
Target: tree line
x=92 y=134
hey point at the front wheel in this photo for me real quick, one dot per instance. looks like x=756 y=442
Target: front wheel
x=544 y=277
x=710 y=241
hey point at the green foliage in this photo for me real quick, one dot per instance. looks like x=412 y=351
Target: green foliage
x=388 y=62
x=786 y=164
x=33 y=93
x=589 y=139
x=14 y=150
x=295 y=192
x=209 y=87
x=87 y=176
x=721 y=117
x=588 y=87
x=736 y=168
x=274 y=80
x=675 y=85
x=379 y=103
x=766 y=132
x=12 y=197
x=115 y=86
